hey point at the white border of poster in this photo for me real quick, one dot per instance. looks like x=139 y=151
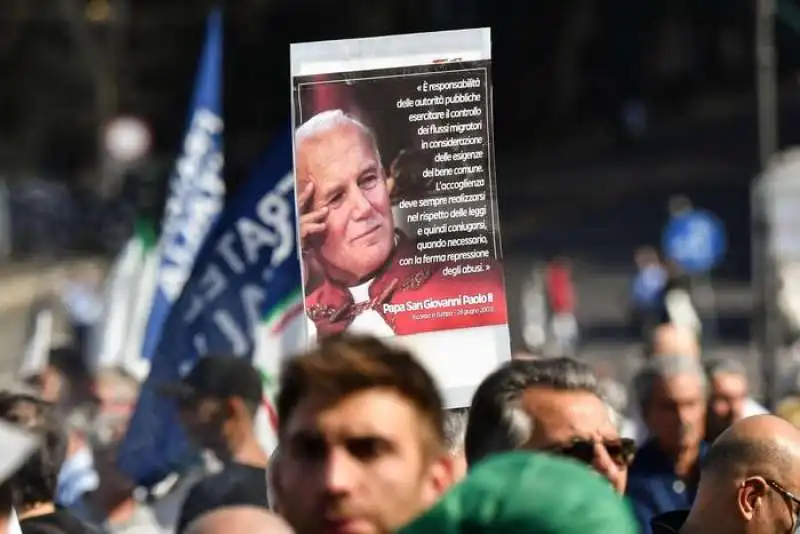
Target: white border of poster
x=460 y=357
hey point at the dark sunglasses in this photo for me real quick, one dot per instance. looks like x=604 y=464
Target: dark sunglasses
x=788 y=496
x=620 y=451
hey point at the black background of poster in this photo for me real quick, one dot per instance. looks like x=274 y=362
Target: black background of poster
x=372 y=97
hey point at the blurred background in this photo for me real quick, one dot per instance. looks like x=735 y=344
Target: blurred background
x=605 y=113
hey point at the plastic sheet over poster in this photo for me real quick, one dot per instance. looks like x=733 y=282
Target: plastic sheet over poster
x=397 y=200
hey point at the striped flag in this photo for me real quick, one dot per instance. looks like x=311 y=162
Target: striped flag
x=129 y=287
x=243 y=300
x=197 y=189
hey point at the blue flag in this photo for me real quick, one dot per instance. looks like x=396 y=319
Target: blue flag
x=197 y=189
x=247 y=269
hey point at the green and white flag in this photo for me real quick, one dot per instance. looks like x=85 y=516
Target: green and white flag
x=129 y=289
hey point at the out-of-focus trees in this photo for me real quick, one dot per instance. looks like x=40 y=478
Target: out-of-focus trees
x=69 y=65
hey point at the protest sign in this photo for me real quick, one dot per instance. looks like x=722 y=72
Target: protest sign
x=244 y=291
x=395 y=186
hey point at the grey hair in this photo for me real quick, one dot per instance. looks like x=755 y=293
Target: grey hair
x=326 y=121
x=497 y=421
x=455 y=429
x=663 y=368
x=728 y=366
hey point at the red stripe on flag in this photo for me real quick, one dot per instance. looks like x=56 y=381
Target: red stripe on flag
x=293 y=312
x=271 y=413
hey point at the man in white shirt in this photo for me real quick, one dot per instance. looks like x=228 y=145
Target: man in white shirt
x=728 y=400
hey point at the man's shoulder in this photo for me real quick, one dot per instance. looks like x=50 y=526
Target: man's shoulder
x=670 y=522
x=647 y=459
x=651 y=462
x=231 y=475
x=59 y=522
x=214 y=483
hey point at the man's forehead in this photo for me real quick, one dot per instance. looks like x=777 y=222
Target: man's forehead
x=728 y=380
x=376 y=412
x=568 y=412
x=680 y=386
x=323 y=149
x=548 y=397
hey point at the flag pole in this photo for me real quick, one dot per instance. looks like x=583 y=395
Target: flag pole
x=766 y=276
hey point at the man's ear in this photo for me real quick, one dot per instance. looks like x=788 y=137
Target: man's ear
x=750 y=497
x=441 y=476
x=235 y=408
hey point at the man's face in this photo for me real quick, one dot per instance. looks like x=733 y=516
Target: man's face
x=115 y=410
x=565 y=419
x=350 y=181
x=356 y=467
x=677 y=412
x=728 y=396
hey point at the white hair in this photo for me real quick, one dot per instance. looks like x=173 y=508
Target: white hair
x=663 y=368
x=325 y=121
x=455 y=429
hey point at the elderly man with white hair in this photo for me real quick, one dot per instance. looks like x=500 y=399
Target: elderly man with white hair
x=672 y=392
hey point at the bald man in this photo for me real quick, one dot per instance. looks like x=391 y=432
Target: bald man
x=748 y=485
x=241 y=520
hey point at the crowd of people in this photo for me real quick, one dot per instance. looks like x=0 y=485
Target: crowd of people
x=548 y=445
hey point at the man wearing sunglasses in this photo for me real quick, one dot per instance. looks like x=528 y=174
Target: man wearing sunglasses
x=749 y=483
x=548 y=405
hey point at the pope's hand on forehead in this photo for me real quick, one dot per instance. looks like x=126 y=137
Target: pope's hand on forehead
x=312 y=222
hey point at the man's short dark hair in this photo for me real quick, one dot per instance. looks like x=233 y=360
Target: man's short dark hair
x=220 y=376
x=496 y=420
x=343 y=365
x=35 y=482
